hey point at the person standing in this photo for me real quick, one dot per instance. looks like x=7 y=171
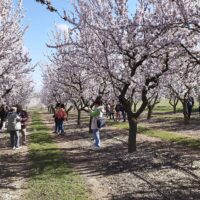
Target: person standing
x=24 y=118
x=117 y=110
x=107 y=110
x=3 y=115
x=55 y=118
x=112 y=110
x=190 y=104
x=61 y=115
x=13 y=127
x=96 y=114
x=122 y=110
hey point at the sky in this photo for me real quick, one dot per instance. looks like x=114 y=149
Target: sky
x=40 y=23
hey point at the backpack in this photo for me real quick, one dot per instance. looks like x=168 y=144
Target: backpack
x=61 y=114
x=101 y=123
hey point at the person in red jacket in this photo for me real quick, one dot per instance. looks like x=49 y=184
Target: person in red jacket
x=61 y=115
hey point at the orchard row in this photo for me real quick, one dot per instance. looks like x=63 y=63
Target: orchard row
x=108 y=51
x=15 y=82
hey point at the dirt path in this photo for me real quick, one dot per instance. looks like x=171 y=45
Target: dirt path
x=157 y=171
x=14 y=170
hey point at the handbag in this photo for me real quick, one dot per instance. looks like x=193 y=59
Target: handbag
x=101 y=123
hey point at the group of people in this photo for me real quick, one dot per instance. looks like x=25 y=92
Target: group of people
x=60 y=116
x=115 y=111
x=15 y=120
x=96 y=112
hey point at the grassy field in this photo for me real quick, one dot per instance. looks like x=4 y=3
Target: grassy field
x=164 y=106
x=164 y=135
x=51 y=177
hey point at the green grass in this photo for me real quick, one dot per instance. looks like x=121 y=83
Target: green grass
x=51 y=177
x=171 y=137
x=164 y=106
x=116 y=124
x=164 y=135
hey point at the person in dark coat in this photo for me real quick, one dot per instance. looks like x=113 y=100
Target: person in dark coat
x=3 y=115
x=190 y=104
x=117 y=111
x=122 y=110
x=24 y=118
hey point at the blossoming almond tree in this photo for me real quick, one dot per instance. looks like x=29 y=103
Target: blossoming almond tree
x=183 y=83
x=71 y=78
x=132 y=52
x=14 y=60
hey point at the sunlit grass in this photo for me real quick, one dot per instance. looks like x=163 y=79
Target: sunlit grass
x=51 y=177
x=164 y=135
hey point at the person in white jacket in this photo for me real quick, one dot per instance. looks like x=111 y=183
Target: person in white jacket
x=13 y=127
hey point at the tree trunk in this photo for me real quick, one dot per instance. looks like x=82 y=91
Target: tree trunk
x=79 y=117
x=135 y=107
x=53 y=111
x=174 y=109
x=90 y=123
x=174 y=102
x=185 y=113
x=149 y=114
x=132 y=134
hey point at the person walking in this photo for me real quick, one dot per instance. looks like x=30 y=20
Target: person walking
x=117 y=110
x=13 y=127
x=190 y=104
x=61 y=115
x=55 y=117
x=96 y=113
x=24 y=118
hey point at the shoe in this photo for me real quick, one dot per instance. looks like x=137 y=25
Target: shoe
x=94 y=147
x=18 y=147
x=97 y=147
x=14 y=148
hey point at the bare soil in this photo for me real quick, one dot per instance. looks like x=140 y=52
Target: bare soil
x=159 y=170
x=14 y=170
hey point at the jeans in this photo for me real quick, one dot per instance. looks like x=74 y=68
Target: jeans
x=56 y=126
x=96 y=137
x=60 y=126
x=14 y=138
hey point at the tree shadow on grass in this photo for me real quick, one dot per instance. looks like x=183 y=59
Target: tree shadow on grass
x=173 y=124
x=158 y=170
x=14 y=167
x=163 y=170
